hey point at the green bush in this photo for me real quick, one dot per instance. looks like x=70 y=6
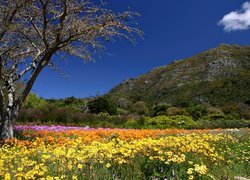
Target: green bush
x=121 y=111
x=197 y=111
x=160 y=109
x=214 y=110
x=213 y=121
x=102 y=104
x=179 y=121
x=173 y=111
x=140 y=108
x=134 y=123
x=34 y=102
x=70 y=100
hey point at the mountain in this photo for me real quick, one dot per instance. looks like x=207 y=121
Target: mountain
x=217 y=76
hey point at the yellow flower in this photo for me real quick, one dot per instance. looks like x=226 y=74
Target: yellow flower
x=40 y=173
x=19 y=168
x=190 y=162
x=191 y=177
x=108 y=165
x=74 y=177
x=63 y=176
x=169 y=153
x=7 y=176
x=80 y=166
x=49 y=178
x=70 y=166
x=201 y=169
x=190 y=171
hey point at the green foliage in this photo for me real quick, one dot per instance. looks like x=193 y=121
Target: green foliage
x=70 y=111
x=160 y=109
x=132 y=123
x=246 y=114
x=179 y=121
x=173 y=111
x=70 y=100
x=214 y=110
x=213 y=121
x=141 y=108
x=106 y=118
x=121 y=111
x=102 y=104
x=217 y=77
x=135 y=123
x=34 y=102
x=75 y=104
x=230 y=109
x=197 y=111
x=124 y=103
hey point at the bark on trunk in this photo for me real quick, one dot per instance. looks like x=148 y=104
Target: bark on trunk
x=9 y=115
x=6 y=129
x=7 y=124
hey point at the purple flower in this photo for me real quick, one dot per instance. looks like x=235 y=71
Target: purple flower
x=55 y=128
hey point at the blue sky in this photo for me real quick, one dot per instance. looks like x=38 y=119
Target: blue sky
x=173 y=30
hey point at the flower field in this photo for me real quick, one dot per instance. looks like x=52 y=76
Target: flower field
x=58 y=152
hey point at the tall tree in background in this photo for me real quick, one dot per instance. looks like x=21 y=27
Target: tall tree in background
x=34 y=32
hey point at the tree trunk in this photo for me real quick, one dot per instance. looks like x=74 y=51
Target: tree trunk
x=9 y=114
x=8 y=120
x=7 y=125
x=6 y=129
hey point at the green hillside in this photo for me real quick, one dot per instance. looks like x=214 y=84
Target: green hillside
x=216 y=77
x=209 y=90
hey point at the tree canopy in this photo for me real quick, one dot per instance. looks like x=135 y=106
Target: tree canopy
x=35 y=32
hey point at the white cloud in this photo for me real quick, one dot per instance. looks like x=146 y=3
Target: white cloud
x=237 y=20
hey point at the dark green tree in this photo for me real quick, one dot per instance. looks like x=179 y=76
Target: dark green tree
x=102 y=104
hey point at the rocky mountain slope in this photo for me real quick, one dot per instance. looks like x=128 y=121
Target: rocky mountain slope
x=217 y=76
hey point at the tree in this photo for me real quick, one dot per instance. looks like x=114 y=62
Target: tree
x=141 y=108
x=102 y=104
x=34 y=102
x=35 y=32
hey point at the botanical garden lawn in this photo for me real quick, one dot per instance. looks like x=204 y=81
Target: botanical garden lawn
x=59 y=152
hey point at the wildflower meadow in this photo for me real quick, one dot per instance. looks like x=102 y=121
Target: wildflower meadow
x=59 y=152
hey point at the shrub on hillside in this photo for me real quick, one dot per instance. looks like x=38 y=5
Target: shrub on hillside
x=70 y=100
x=214 y=110
x=141 y=108
x=213 y=121
x=101 y=104
x=246 y=114
x=124 y=103
x=179 y=121
x=197 y=111
x=135 y=123
x=174 y=111
x=160 y=109
x=230 y=109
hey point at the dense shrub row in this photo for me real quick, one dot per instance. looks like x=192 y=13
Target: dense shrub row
x=50 y=114
x=101 y=112
x=186 y=122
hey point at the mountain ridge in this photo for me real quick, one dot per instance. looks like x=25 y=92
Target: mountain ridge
x=217 y=76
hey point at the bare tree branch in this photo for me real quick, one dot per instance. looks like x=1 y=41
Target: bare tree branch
x=32 y=32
